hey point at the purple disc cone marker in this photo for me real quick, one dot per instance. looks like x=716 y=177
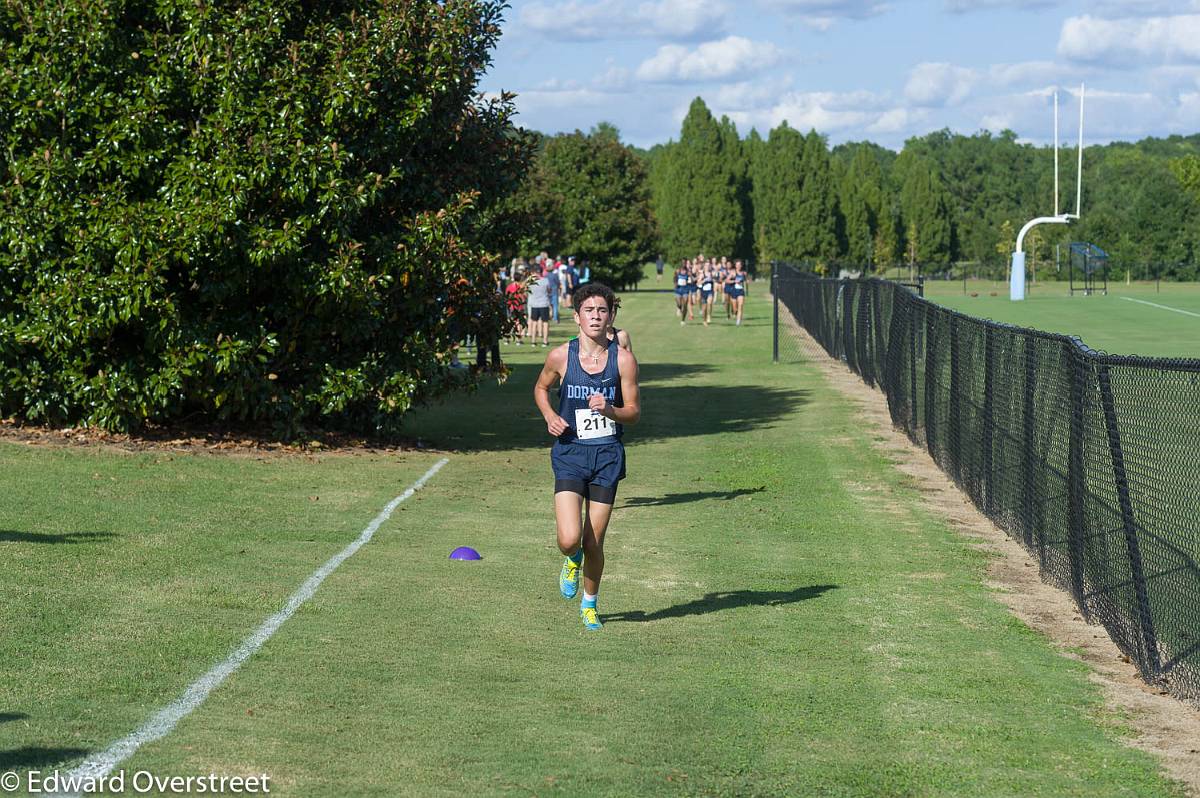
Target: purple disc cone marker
x=465 y=553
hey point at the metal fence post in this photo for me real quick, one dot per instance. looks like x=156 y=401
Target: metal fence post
x=775 y=297
x=987 y=481
x=1074 y=361
x=955 y=447
x=912 y=366
x=931 y=368
x=1152 y=665
x=1029 y=522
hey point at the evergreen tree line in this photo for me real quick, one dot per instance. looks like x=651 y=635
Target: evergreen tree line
x=946 y=202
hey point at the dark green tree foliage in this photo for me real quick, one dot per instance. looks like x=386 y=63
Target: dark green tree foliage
x=696 y=199
x=861 y=202
x=274 y=211
x=1150 y=226
x=739 y=164
x=599 y=192
x=753 y=150
x=778 y=184
x=819 y=220
x=924 y=210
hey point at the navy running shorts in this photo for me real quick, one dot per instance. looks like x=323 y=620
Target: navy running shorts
x=600 y=464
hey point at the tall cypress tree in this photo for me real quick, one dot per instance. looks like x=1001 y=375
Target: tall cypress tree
x=861 y=199
x=819 y=218
x=924 y=207
x=698 y=207
x=736 y=158
x=778 y=180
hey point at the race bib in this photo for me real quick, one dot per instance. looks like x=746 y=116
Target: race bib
x=680 y=281
x=590 y=424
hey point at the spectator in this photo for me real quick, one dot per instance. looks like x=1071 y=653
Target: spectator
x=515 y=302
x=539 y=311
x=555 y=289
x=572 y=276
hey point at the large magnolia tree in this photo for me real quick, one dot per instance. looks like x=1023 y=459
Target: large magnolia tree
x=275 y=211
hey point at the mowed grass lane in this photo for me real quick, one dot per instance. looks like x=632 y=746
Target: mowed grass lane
x=1120 y=322
x=781 y=618
x=124 y=576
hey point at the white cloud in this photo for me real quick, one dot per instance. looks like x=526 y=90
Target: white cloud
x=1173 y=77
x=1141 y=8
x=939 y=84
x=827 y=112
x=964 y=6
x=1091 y=39
x=580 y=20
x=733 y=56
x=897 y=120
x=748 y=95
x=1109 y=115
x=1032 y=73
x=615 y=78
x=823 y=14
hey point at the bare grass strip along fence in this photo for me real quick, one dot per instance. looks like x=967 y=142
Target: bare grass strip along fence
x=99 y=765
x=1091 y=461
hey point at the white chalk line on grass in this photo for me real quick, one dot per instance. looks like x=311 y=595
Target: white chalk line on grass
x=101 y=764
x=1161 y=307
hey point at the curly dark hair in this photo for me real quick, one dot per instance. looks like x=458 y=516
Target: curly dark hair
x=589 y=290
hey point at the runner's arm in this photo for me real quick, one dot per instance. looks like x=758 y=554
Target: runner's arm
x=556 y=365
x=631 y=407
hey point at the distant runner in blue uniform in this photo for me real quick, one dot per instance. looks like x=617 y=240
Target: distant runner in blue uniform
x=736 y=282
x=598 y=395
x=683 y=292
x=707 y=285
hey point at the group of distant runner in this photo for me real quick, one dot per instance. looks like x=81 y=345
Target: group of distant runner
x=700 y=281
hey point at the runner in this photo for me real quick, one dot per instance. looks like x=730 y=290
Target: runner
x=693 y=289
x=682 y=292
x=707 y=282
x=617 y=334
x=598 y=394
x=737 y=291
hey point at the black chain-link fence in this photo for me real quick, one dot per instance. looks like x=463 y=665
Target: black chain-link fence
x=1090 y=460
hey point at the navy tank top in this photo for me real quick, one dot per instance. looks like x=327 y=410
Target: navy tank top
x=585 y=426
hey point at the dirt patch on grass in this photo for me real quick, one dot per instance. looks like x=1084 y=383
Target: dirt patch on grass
x=203 y=440
x=1162 y=725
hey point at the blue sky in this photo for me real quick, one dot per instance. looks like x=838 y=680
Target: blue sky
x=880 y=70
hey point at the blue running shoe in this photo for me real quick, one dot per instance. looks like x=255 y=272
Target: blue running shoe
x=590 y=619
x=568 y=578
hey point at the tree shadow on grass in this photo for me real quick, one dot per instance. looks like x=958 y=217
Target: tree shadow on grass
x=9 y=536
x=503 y=417
x=33 y=756
x=724 y=600
x=693 y=496
x=9 y=717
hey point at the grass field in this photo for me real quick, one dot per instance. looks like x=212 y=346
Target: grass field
x=782 y=616
x=1120 y=322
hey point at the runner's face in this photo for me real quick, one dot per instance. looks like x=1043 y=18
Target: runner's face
x=593 y=316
